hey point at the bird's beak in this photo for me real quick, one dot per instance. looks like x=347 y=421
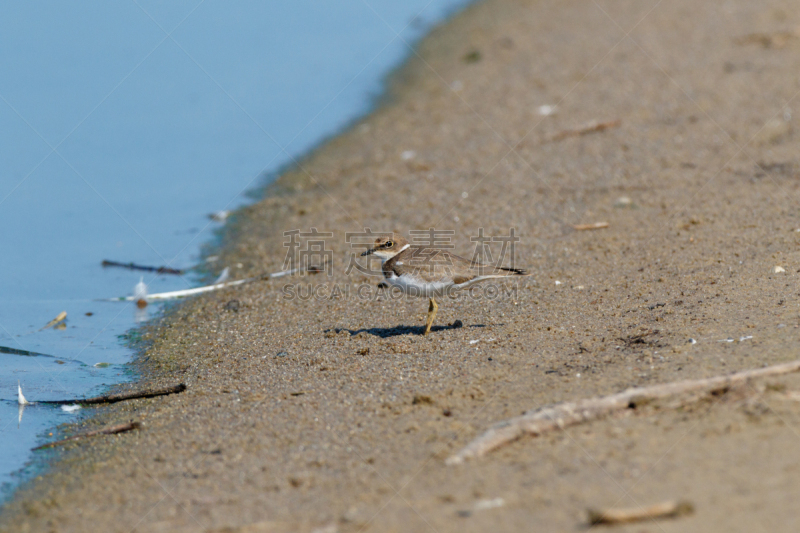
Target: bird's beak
x=368 y=252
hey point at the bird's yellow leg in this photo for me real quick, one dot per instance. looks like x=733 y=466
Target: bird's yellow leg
x=431 y=315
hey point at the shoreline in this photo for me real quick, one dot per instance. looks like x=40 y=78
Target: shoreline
x=337 y=414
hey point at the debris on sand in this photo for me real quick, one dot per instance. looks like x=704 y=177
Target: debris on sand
x=775 y=40
x=558 y=416
x=585 y=227
x=623 y=201
x=134 y=266
x=60 y=318
x=779 y=269
x=114 y=398
x=547 y=110
x=120 y=428
x=482 y=505
x=671 y=509
x=590 y=127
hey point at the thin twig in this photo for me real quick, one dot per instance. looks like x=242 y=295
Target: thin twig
x=584 y=227
x=671 y=509
x=562 y=415
x=113 y=398
x=134 y=266
x=590 y=127
x=121 y=428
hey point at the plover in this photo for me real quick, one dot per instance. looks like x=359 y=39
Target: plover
x=430 y=272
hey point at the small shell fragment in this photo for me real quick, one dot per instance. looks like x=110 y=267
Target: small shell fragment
x=779 y=269
x=623 y=201
x=482 y=505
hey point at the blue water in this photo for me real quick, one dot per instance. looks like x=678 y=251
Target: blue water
x=122 y=125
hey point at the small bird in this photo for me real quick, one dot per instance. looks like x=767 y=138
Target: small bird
x=430 y=272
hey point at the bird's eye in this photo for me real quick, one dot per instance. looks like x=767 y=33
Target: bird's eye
x=389 y=244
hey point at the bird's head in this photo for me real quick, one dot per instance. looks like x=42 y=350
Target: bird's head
x=387 y=247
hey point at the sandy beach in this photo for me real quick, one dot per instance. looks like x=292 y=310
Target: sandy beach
x=672 y=122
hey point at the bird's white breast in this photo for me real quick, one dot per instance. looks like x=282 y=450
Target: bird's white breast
x=416 y=286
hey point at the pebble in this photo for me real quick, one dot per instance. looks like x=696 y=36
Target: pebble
x=779 y=269
x=281 y=354
x=547 y=110
x=482 y=505
x=623 y=201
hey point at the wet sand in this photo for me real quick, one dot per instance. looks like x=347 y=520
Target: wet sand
x=335 y=414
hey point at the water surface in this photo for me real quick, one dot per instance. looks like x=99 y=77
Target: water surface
x=122 y=125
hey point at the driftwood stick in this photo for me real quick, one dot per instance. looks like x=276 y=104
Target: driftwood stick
x=120 y=428
x=671 y=509
x=134 y=266
x=113 y=398
x=26 y=353
x=561 y=415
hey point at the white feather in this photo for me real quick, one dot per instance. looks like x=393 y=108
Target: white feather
x=223 y=277
x=20 y=398
x=140 y=290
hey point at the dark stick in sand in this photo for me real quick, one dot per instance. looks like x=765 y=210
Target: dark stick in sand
x=134 y=266
x=553 y=417
x=120 y=428
x=113 y=398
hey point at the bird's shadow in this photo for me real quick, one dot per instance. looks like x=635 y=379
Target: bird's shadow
x=403 y=330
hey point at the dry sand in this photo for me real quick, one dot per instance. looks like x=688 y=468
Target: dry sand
x=349 y=430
